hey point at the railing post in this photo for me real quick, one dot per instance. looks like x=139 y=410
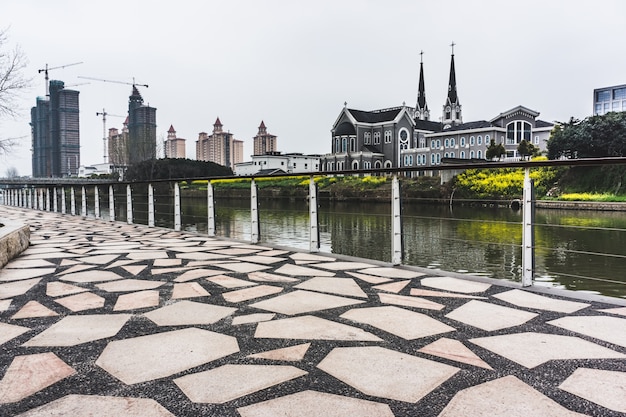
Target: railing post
x=314 y=231
x=396 y=223
x=210 y=209
x=528 y=235
x=111 y=204
x=83 y=197
x=150 y=205
x=54 y=200
x=129 y=205
x=47 y=198
x=176 y=207
x=254 y=213
x=63 y=204
x=40 y=205
x=96 y=202
x=72 y=201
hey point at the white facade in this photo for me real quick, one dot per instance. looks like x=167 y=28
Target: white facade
x=98 y=169
x=291 y=163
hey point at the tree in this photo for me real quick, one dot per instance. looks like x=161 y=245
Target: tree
x=594 y=137
x=527 y=149
x=11 y=172
x=177 y=168
x=12 y=82
x=495 y=151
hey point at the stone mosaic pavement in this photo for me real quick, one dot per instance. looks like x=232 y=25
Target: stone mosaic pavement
x=109 y=319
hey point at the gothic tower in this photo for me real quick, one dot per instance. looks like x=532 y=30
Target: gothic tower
x=452 y=108
x=421 y=109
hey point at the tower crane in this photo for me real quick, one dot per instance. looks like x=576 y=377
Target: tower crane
x=104 y=115
x=46 y=69
x=134 y=84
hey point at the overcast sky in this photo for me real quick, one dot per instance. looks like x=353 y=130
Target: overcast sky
x=293 y=64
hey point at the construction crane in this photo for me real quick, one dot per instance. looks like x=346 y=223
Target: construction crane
x=134 y=84
x=75 y=85
x=46 y=69
x=105 y=137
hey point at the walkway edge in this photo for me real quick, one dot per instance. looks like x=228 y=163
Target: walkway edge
x=14 y=239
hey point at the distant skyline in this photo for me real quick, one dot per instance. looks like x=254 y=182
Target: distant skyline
x=293 y=64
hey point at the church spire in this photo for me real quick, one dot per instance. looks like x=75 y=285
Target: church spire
x=452 y=108
x=421 y=109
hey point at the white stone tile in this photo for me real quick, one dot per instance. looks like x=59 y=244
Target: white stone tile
x=57 y=288
x=273 y=252
x=81 y=302
x=301 y=256
x=606 y=388
x=371 y=279
x=159 y=355
x=409 y=301
x=134 y=269
x=201 y=256
x=230 y=282
x=189 y=313
x=160 y=271
x=167 y=262
x=5 y=304
x=252 y=318
x=137 y=300
x=76 y=268
x=13 y=289
x=188 y=290
x=144 y=255
x=35 y=263
x=609 y=329
x=507 y=396
x=33 y=309
x=243 y=267
x=533 y=349
x=91 y=276
x=99 y=406
x=455 y=284
x=128 y=285
x=391 y=272
x=621 y=311
x=488 y=316
x=236 y=251
x=98 y=259
x=298 y=302
x=302 y=271
x=403 y=323
x=292 y=353
x=455 y=351
x=386 y=373
x=260 y=259
x=311 y=328
x=75 y=330
x=10 y=331
x=430 y=293
x=21 y=274
x=250 y=293
x=394 y=287
x=529 y=300
x=228 y=382
x=342 y=266
x=340 y=286
x=123 y=262
x=267 y=277
x=315 y=404
x=197 y=273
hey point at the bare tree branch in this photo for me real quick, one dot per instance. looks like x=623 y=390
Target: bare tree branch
x=12 y=80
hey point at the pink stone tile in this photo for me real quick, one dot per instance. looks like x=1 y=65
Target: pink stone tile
x=430 y=293
x=267 y=277
x=409 y=301
x=454 y=350
x=252 y=318
x=21 y=274
x=197 y=273
x=292 y=353
x=250 y=293
x=99 y=406
x=137 y=300
x=394 y=287
x=134 y=269
x=188 y=290
x=5 y=304
x=81 y=302
x=13 y=289
x=56 y=289
x=369 y=278
x=230 y=282
x=33 y=309
x=10 y=331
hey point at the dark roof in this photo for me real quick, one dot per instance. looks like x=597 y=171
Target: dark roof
x=452 y=96
x=345 y=128
x=543 y=123
x=428 y=125
x=270 y=171
x=479 y=124
x=370 y=148
x=421 y=91
x=376 y=116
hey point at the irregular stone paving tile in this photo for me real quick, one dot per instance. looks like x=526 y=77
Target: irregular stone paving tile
x=533 y=349
x=159 y=271
x=391 y=272
x=91 y=276
x=99 y=406
x=235 y=251
x=201 y=256
x=99 y=259
x=618 y=310
x=40 y=249
x=228 y=382
x=248 y=246
x=197 y=273
x=455 y=351
x=298 y=302
x=311 y=328
x=196 y=264
x=299 y=256
x=369 y=278
x=507 y=396
x=134 y=269
x=253 y=318
x=341 y=286
x=267 y=277
x=35 y=263
x=455 y=284
x=76 y=268
x=81 y=302
x=48 y=255
x=16 y=288
x=188 y=313
x=33 y=309
x=10 y=331
x=529 y=300
x=394 y=287
x=68 y=262
x=21 y=274
x=409 y=301
x=403 y=323
x=250 y=293
x=488 y=316
x=305 y=262
x=155 y=356
x=302 y=271
x=82 y=251
x=609 y=329
x=273 y=252
x=260 y=259
x=29 y=374
x=188 y=290
x=342 y=266
x=243 y=267
x=386 y=373
x=75 y=330
x=429 y=293
x=5 y=304
x=230 y=282
x=140 y=256
x=56 y=289
x=128 y=285
x=136 y=300
x=167 y=262
x=315 y=404
x=188 y=249
x=292 y=353
x=606 y=388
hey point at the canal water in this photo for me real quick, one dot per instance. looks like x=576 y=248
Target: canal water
x=577 y=250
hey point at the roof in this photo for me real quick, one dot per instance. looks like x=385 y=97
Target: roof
x=428 y=125
x=376 y=116
x=171 y=129
x=516 y=110
x=270 y=171
x=262 y=125
x=217 y=122
x=543 y=123
x=452 y=96
x=345 y=128
x=479 y=124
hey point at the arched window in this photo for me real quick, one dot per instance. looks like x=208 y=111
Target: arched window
x=471 y=140
x=403 y=138
x=344 y=144
x=337 y=148
x=462 y=140
x=410 y=160
x=367 y=138
x=451 y=154
x=387 y=136
x=479 y=154
x=432 y=143
x=447 y=143
x=432 y=159
x=438 y=143
x=487 y=139
x=471 y=154
x=387 y=164
x=446 y=155
x=452 y=142
x=355 y=165
x=376 y=138
x=352 y=144
x=518 y=130
x=377 y=165
x=438 y=158
x=479 y=140
x=462 y=154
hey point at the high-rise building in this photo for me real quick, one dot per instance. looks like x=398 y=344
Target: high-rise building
x=141 y=129
x=174 y=146
x=55 y=132
x=609 y=99
x=264 y=142
x=118 y=146
x=219 y=147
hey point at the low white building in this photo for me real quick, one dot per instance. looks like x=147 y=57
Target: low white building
x=97 y=169
x=275 y=162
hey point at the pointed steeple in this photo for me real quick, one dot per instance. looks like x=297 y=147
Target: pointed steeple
x=421 y=109
x=452 y=108
x=171 y=133
x=217 y=126
x=262 y=128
